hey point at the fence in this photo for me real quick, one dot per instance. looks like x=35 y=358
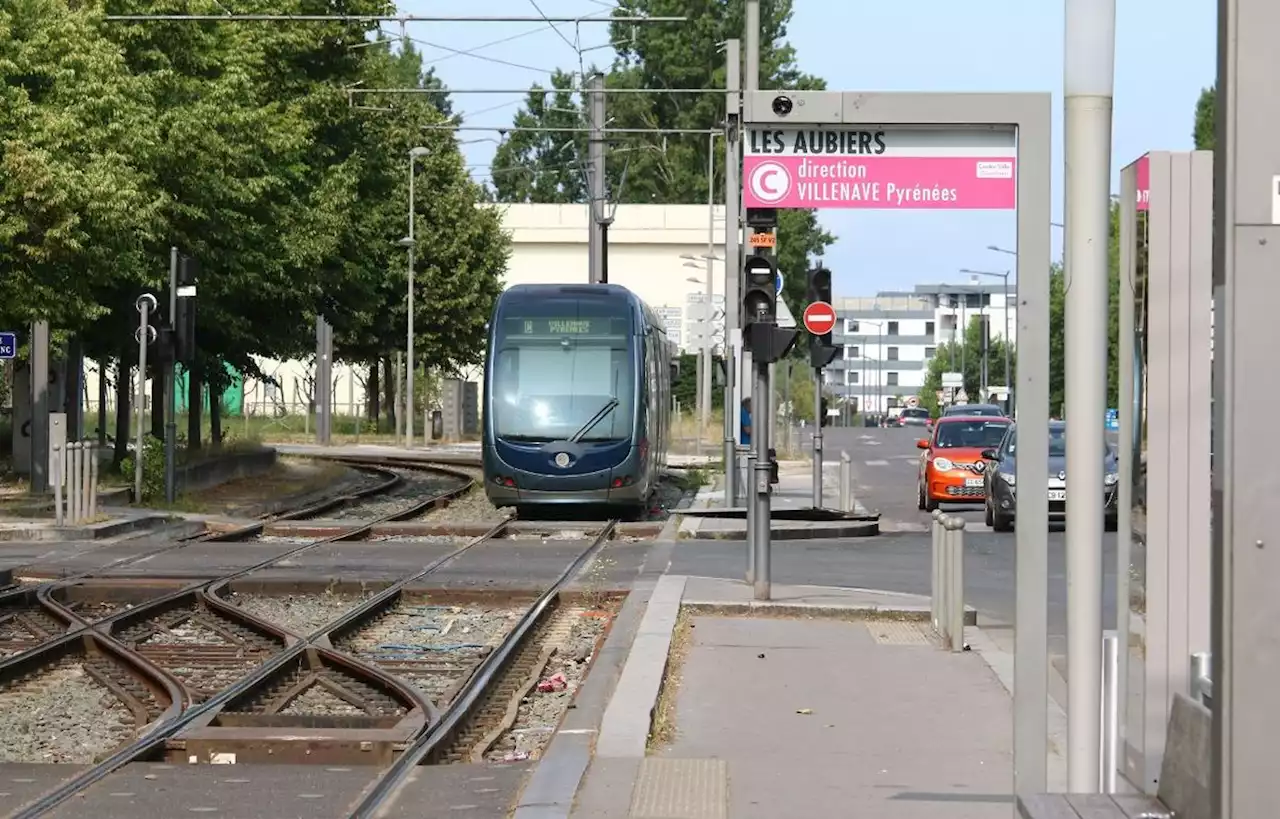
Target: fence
x=75 y=481
x=947 y=609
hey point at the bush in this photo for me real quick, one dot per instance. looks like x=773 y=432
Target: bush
x=152 y=469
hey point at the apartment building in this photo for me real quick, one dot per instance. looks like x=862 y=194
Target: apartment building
x=889 y=339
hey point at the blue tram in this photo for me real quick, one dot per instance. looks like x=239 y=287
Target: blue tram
x=577 y=397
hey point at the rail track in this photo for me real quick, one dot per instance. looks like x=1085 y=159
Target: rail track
x=208 y=681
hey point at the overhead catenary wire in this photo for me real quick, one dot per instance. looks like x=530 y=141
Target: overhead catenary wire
x=462 y=53
x=373 y=18
x=567 y=130
x=535 y=90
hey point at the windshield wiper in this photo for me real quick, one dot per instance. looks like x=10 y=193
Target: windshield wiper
x=595 y=419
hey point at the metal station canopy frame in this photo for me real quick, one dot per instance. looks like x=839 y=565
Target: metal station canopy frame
x=898 y=151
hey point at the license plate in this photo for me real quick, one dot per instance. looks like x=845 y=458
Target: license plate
x=973 y=483
x=1057 y=494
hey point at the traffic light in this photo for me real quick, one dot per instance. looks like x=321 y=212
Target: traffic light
x=821 y=350
x=760 y=332
x=184 y=324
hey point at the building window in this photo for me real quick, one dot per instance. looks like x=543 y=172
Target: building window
x=893 y=380
x=929 y=328
x=893 y=328
x=850 y=327
x=930 y=352
x=893 y=353
x=853 y=376
x=853 y=351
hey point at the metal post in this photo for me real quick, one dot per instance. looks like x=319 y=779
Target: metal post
x=817 y=439
x=170 y=391
x=1246 y=558
x=708 y=334
x=846 y=483
x=935 y=562
x=753 y=522
x=762 y=488
x=595 y=178
x=73 y=482
x=40 y=406
x=145 y=304
x=732 y=268
x=955 y=578
x=399 y=408
x=1109 y=752
x=58 y=511
x=1088 y=78
x=102 y=402
x=1008 y=385
x=85 y=451
x=750 y=82
x=408 y=363
x=318 y=392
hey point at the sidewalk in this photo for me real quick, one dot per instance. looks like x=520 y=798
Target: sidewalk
x=779 y=715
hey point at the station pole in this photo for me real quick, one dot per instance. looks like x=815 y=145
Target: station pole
x=595 y=179
x=732 y=268
x=1088 y=78
x=760 y=437
x=169 y=376
x=817 y=438
x=1246 y=558
x=751 y=82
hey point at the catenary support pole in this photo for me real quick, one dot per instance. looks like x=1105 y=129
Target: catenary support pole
x=1088 y=78
x=761 y=488
x=144 y=304
x=170 y=392
x=595 y=177
x=409 y=338
x=817 y=438
x=750 y=82
x=708 y=337
x=1246 y=556
x=732 y=268
x=40 y=407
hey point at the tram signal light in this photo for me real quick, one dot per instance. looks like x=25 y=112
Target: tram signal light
x=760 y=296
x=184 y=323
x=821 y=350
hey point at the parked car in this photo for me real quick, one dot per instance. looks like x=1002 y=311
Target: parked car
x=952 y=466
x=915 y=417
x=1001 y=484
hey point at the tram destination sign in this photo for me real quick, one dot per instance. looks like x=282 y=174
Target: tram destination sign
x=885 y=168
x=567 y=326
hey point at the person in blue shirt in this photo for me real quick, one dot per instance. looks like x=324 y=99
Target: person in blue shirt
x=746 y=422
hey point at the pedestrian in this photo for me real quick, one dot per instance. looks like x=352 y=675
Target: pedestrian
x=746 y=422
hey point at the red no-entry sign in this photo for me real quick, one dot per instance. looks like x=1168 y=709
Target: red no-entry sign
x=819 y=318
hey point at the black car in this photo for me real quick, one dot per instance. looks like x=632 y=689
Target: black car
x=975 y=410
x=1001 y=490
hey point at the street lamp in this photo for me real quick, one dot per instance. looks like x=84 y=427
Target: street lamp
x=1005 y=277
x=408 y=243
x=704 y=377
x=879 y=363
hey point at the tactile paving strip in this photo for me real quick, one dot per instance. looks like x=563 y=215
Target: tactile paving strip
x=681 y=789
x=898 y=633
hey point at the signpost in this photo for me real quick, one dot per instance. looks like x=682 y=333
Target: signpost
x=8 y=346
x=819 y=318
x=926 y=151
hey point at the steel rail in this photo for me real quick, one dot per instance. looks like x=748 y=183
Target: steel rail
x=488 y=671
x=162 y=732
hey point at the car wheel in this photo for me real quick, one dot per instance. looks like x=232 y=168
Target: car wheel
x=929 y=503
x=999 y=522
x=920 y=499
x=988 y=517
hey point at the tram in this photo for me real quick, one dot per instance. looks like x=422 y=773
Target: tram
x=577 y=398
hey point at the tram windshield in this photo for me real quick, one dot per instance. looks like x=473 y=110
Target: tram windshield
x=558 y=364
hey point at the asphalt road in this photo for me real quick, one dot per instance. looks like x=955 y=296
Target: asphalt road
x=885 y=465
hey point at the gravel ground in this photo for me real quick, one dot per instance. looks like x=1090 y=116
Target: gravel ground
x=416 y=486
x=186 y=634
x=62 y=716
x=431 y=647
x=439 y=540
x=541 y=711
x=472 y=507
x=319 y=702
x=300 y=613
x=546 y=536
x=297 y=541
x=100 y=610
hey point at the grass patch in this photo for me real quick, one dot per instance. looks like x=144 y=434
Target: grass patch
x=662 y=726
x=288 y=478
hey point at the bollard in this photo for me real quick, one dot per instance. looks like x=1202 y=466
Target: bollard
x=57 y=479
x=73 y=483
x=955 y=582
x=935 y=583
x=1109 y=758
x=86 y=449
x=846 y=481
x=1200 y=683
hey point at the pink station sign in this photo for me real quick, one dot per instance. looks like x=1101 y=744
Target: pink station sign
x=1142 y=173
x=880 y=168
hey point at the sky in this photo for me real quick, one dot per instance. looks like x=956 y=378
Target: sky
x=1165 y=54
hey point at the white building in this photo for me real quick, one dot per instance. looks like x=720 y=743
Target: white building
x=658 y=251
x=888 y=340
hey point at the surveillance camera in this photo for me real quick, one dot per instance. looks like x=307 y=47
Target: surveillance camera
x=782 y=106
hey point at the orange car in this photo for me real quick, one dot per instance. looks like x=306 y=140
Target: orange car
x=951 y=466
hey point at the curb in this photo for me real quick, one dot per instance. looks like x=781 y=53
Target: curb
x=844 y=530
x=95 y=531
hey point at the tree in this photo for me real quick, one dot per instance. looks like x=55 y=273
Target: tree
x=1204 y=130
x=543 y=166
x=966 y=356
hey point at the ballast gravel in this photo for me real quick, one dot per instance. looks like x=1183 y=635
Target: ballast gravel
x=61 y=716
x=301 y=614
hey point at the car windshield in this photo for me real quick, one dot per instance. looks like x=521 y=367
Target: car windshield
x=971 y=434
x=1057 y=443
x=915 y=412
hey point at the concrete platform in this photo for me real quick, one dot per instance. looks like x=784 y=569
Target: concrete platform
x=119 y=522
x=847 y=717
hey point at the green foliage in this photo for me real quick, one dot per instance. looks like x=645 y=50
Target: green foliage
x=543 y=166
x=969 y=351
x=237 y=144
x=1204 y=132
x=685 y=385
x=152 y=469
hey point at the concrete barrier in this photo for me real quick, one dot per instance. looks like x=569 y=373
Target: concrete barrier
x=219 y=467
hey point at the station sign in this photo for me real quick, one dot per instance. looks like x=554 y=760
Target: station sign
x=8 y=346
x=1142 y=174
x=883 y=168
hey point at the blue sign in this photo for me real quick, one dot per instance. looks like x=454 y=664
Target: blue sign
x=779 y=283
x=1113 y=419
x=8 y=346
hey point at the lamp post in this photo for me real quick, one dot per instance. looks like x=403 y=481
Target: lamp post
x=704 y=375
x=1008 y=385
x=879 y=325
x=408 y=243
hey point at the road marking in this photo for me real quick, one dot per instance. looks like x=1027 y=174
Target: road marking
x=877 y=463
